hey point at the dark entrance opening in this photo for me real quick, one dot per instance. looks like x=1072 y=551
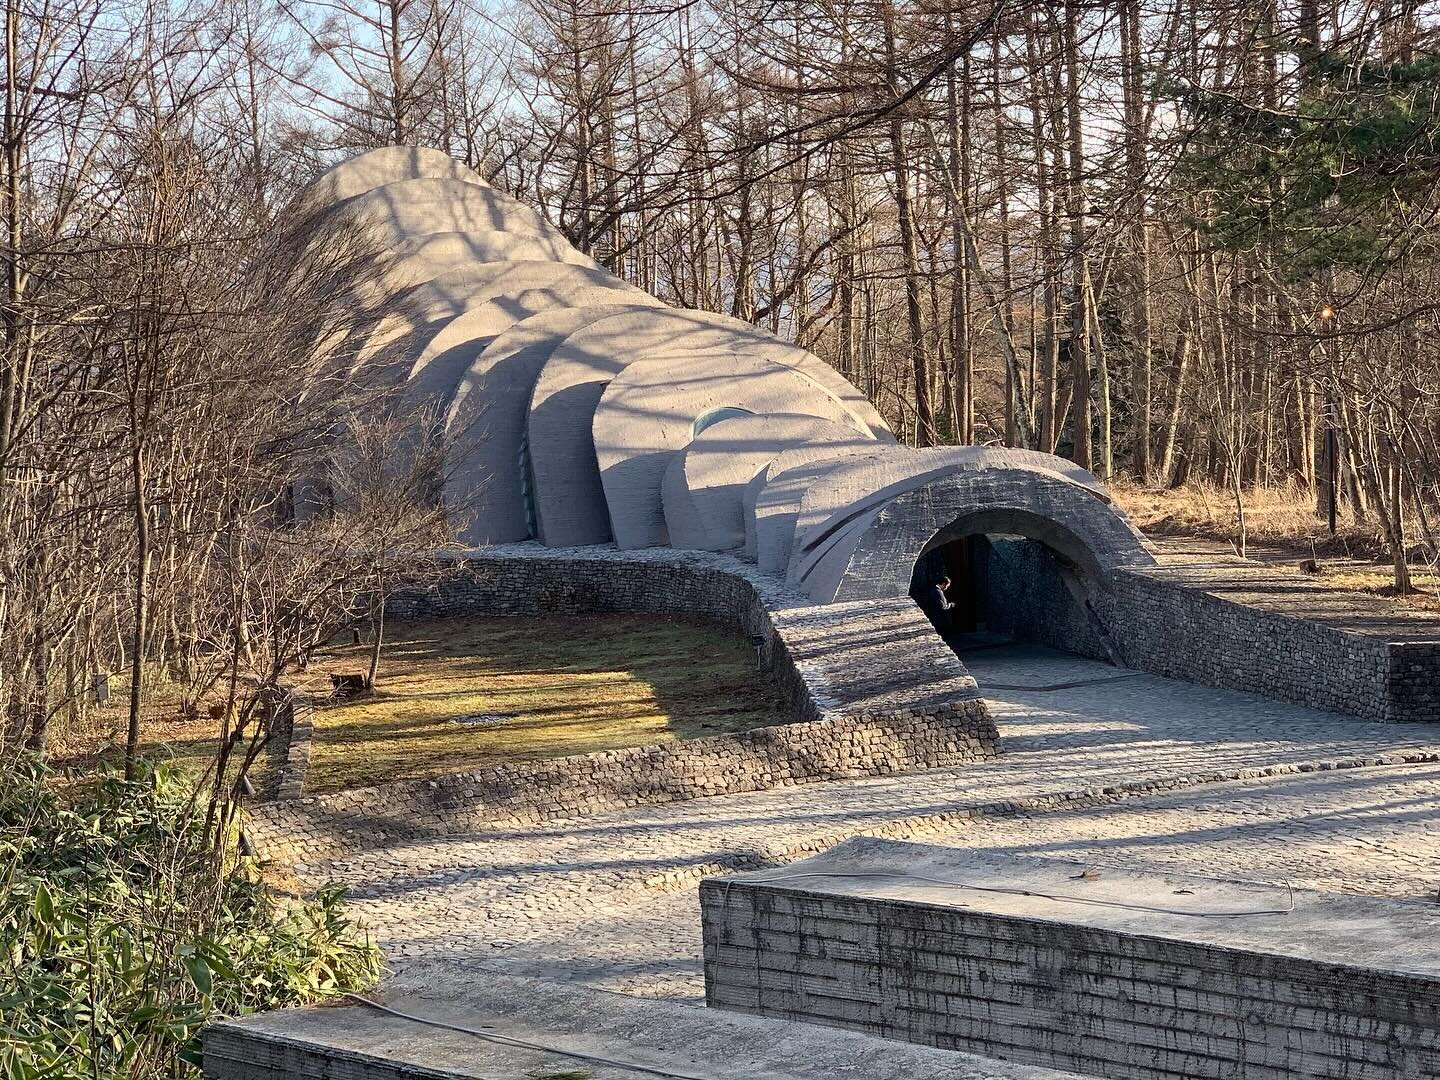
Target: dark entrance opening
x=1007 y=587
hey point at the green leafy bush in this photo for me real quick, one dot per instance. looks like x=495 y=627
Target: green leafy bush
x=125 y=926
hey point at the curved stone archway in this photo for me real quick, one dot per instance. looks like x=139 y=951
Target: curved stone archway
x=877 y=560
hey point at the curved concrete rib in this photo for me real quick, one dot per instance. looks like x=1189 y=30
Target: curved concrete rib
x=376 y=168
x=384 y=346
x=648 y=412
x=878 y=559
x=430 y=306
x=829 y=450
x=388 y=215
x=778 y=502
x=569 y=499
x=704 y=485
x=487 y=421
x=846 y=493
x=424 y=258
x=751 y=341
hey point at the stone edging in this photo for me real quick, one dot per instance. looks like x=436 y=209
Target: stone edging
x=871 y=688
x=300 y=709
x=521 y=793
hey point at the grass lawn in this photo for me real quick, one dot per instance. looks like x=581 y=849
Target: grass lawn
x=563 y=685
x=165 y=734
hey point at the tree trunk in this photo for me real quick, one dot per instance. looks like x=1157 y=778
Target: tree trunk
x=377 y=634
x=1080 y=260
x=900 y=164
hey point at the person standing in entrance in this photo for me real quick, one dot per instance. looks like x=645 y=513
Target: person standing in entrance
x=944 y=607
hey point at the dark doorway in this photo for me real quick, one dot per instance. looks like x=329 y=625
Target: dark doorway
x=1006 y=587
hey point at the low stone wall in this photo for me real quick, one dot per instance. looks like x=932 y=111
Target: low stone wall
x=1227 y=623
x=872 y=689
x=530 y=792
x=1108 y=973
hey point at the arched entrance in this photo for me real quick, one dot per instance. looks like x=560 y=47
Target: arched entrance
x=1014 y=575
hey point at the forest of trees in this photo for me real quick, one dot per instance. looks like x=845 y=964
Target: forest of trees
x=1177 y=242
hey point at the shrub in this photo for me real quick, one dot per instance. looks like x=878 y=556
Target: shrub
x=125 y=926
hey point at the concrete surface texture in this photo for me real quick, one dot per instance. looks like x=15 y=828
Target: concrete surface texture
x=392 y=213
x=797 y=456
x=1132 y=974
x=487 y=420
x=531 y=1028
x=376 y=168
x=423 y=258
x=779 y=498
x=649 y=411
x=836 y=503
x=704 y=485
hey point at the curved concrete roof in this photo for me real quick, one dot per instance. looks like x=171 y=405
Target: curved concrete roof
x=778 y=502
x=425 y=308
x=704 y=484
x=848 y=491
x=569 y=498
x=758 y=344
x=372 y=341
x=388 y=215
x=648 y=412
x=487 y=421
x=828 y=450
x=375 y=168
x=876 y=560
x=423 y=258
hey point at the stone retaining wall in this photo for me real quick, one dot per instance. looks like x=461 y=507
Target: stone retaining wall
x=1224 y=623
x=872 y=689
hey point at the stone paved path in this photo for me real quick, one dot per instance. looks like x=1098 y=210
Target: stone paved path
x=611 y=900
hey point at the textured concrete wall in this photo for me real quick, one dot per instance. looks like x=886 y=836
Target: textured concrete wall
x=647 y=413
x=392 y=213
x=704 y=484
x=570 y=500
x=1107 y=986
x=376 y=168
x=778 y=500
x=488 y=419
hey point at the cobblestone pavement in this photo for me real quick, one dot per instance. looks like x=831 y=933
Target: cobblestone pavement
x=611 y=901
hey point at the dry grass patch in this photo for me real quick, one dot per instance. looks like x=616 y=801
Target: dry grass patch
x=1280 y=521
x=1281 y=517
x=167 y=733
x=551 y=686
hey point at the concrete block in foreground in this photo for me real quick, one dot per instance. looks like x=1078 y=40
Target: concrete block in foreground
x=1110 y=972
x=660 y=1037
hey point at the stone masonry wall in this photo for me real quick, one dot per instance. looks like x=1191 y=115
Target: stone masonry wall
x=873 y=690
x=1208 y=624
x=1026 y=597
x=1167 y=625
